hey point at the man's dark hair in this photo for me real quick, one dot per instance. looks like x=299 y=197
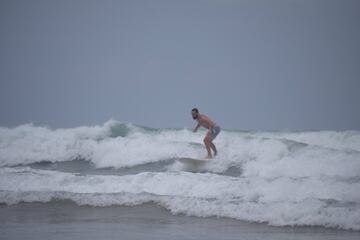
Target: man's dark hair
x=195 y=110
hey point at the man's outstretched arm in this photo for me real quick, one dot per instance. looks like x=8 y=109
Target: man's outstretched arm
x=197 y=127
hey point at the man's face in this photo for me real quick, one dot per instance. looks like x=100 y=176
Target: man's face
x=194 y=114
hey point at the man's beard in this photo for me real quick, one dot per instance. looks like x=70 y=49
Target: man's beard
x=195 y=117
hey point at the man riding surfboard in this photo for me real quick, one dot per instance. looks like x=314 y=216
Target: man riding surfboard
x=213 y=130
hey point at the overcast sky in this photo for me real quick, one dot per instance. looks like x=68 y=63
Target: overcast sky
x=249 y=64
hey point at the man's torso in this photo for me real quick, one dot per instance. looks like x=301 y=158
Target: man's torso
x=205 y=121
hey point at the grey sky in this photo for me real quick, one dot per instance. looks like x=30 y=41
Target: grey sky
x=249 y=64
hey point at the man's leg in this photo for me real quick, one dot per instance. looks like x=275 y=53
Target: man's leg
x=212 y=145
x=207 y=142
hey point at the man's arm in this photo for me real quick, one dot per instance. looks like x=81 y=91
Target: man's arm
x=197 y=127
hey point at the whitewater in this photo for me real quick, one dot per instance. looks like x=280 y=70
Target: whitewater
x=282 y=178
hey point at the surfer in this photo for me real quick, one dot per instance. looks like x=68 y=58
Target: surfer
x=213 y=130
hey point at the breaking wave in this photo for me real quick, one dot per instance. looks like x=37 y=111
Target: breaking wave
x=281 y=178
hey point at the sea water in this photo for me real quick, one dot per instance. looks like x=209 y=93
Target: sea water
x=307 y=178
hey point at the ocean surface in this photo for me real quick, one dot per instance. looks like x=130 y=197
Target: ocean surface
x=281 y=179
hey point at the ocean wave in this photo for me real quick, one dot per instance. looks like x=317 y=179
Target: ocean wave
x=121 y=145
x=280 y=202
x=282 y=178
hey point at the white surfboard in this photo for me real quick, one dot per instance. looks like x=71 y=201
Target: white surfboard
x=194 y=161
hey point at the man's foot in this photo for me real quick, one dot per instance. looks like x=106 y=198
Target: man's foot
x=208 y=157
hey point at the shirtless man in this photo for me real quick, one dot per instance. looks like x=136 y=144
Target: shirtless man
x=206 y=122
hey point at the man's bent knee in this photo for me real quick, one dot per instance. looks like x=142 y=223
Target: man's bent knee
x=208 y=140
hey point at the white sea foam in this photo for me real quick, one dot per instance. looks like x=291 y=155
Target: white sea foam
x=124 y=145
x=28 y=144
x=283 y=201
x=303 y=178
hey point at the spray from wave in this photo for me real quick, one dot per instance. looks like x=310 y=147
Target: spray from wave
x=281 y=178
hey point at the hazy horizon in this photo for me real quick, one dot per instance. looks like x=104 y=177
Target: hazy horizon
x=249 y=65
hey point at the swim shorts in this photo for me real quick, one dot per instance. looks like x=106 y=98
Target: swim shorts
x=215 y=131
